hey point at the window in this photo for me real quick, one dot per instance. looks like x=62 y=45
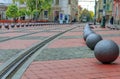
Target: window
x=45 y=14
x=57 y=2
x=69 y=1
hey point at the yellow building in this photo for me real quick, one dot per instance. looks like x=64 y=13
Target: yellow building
x=108 y=10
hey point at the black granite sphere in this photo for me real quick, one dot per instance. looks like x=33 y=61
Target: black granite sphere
x=18 y=25
x=86 y=28
x=0 y=25
x=22 y=25
x=92 y=40
x=87 y=33
x=106 y=51
x=6 y=26
x=12 y=25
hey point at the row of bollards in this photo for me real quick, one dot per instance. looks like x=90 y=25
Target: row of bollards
x=13 y=25
x=106 y=51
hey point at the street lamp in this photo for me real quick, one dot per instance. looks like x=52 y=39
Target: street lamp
x=36 y=4
x=104 y=14
x=95 y=13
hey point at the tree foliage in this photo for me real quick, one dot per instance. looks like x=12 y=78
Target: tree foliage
x=20 y=1
x=39 y=4
x=91 y=14
x=35 y=14
x=22 y=12
x=36 y=6
x=86 y=13
x=28 y=12
x=12 y=11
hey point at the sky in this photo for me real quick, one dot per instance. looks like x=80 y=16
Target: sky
x=5 y=1
x=88 y=4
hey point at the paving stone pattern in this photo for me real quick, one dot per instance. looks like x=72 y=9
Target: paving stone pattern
x=73 y=62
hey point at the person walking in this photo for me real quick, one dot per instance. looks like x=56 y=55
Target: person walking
x=111 y=20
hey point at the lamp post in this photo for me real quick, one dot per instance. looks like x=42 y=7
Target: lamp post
x=36 y=4
x=104 y=14
x=95 y=13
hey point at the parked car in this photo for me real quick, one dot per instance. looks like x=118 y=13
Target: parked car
x=84 y=19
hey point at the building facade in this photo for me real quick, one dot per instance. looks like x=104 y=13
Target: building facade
x=3 y=6
x=108 y=9
x=62 y=10
x=116 y=11
x=112 y=9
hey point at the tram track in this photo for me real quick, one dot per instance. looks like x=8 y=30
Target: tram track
x=11 y=69
x=6 y=53
x=10 y=38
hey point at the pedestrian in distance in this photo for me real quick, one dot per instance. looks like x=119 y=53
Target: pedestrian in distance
x=111 y=20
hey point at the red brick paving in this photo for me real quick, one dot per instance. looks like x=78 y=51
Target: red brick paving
x=62 y=43
x=73 y=34
x=86 y=68
x=11 y=34
x=44 y=34
x=108 y=32
x=115 y=39
x=17 y=44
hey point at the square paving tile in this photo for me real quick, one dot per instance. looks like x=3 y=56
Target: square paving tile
x=43 y=34
x=61 y=43
x=11 y=34
x=86 y=68
x=17 y=44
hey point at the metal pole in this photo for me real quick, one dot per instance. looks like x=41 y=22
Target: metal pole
x=36 y=4
x=104 y=14
x=95 y=13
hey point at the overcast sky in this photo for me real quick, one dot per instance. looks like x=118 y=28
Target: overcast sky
x=88 y=4
x=5 y=1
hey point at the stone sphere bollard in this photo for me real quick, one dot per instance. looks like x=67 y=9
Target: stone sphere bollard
x=6 y=26
x=92 y=40
x=12 y=25
x=18 y=25
x=0 y=26
x=86 y=28
x=106 y=51
x=87 y=33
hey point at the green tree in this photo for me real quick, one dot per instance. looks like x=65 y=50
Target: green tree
x=91 y=15
x=36 y=5
x=88 y=14
x=20 y=1
x=36 y=14
x=28 y=12
x=12 y=11
x=22 y=13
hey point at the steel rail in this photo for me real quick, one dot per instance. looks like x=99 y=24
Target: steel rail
x=25 y=35
x=9 y=68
